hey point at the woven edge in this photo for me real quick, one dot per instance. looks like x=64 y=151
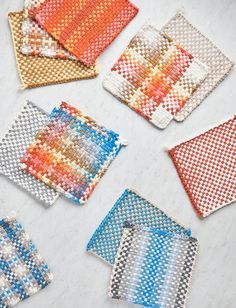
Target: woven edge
x=115 y=206
x=36 y=85
x=6 y=131
x=100 y=49
x=179 y=117
x=189 y=282
x=172 y=155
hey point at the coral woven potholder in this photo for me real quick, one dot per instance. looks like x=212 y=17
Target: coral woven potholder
x=71 y=153
x=153 y=268
x=35 y=40
x=85 y=27
x=23 y=272
x=155 y=76
x=13 y=145
x=207 y=167
x=136 y=210
x=42 y=71
x=219 y=65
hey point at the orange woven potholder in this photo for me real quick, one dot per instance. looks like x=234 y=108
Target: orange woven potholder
x=42 y=71
x=85 y=27
x=206 y=165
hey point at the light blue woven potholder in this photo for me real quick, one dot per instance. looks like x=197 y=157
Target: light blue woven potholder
x=132 y=208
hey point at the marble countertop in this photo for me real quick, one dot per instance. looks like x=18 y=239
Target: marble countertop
x=62 y=232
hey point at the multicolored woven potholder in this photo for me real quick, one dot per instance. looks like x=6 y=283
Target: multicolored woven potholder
x=71 y=153
x=153 y=268
x=23 y=272
x=219 y=65
x=132 y=208
x=13 y=145
x=42 y=71
x=155 y=76
x=206 y=166
x=35 y=40
x=85 y=27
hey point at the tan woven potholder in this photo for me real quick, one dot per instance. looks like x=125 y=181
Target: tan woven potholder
x=190 y=38
x=42 y=71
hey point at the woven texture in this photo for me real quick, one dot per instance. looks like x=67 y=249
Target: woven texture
x=134 y=209
x=85 y=27
x=13 y=146
x=206 y=165
x=153 y=268
x=201 y=47
x=35 y=40
x=155 y=76
x=41 y=71
x=71 y=153
x=23 y=271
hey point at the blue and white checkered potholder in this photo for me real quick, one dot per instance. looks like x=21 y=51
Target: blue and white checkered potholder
x=132 y=208
x=23 y=272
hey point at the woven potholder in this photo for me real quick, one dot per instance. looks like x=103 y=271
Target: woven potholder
x=42 y=71
x=155 y=76
x=13 y=146
x=35 y=40
x=85 y=27
x=219 y=65
x=153 y=268
x=206 y=166
x=23 y=272
x=71 y=153
x=132 y=208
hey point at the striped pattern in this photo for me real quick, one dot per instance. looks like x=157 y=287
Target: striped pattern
x=153 y=268
x=85 y=27
x=22 y=269
x=71 y=153
x=13 y=145
x=42 y=71
x=155 y=76
x=132 y=208
x=200 y=46
x=206 y=166
x=35 y=40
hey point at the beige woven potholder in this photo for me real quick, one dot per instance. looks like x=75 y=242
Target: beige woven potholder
x=219 y=65
x=42 y=71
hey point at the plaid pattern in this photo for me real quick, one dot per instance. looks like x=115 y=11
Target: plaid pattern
x=42 y=71
x=155 y=76
x=219 y=65
x=153 y=268
x=206 y=165
x=132 y=208
x=21 y=133
x=35 y=40
x=22 y=269
x=85 y=27
x=71 y=153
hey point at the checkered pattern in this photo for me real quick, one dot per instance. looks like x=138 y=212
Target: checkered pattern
x=13 y=146
x=42 y=71
x=219 y=65
x=35 y=40
x=206 y=165
x=85 y=27
x=155 y=76
x=153 y=268
x=22 y=269
x=132 y=208
x=71 y=153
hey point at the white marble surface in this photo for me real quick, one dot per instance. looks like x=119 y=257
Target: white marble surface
x=62 y=232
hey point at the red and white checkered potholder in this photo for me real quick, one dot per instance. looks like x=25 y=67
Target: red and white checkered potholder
x=207 y=167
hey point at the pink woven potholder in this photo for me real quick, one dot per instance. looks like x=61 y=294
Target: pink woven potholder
x=207 y=167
